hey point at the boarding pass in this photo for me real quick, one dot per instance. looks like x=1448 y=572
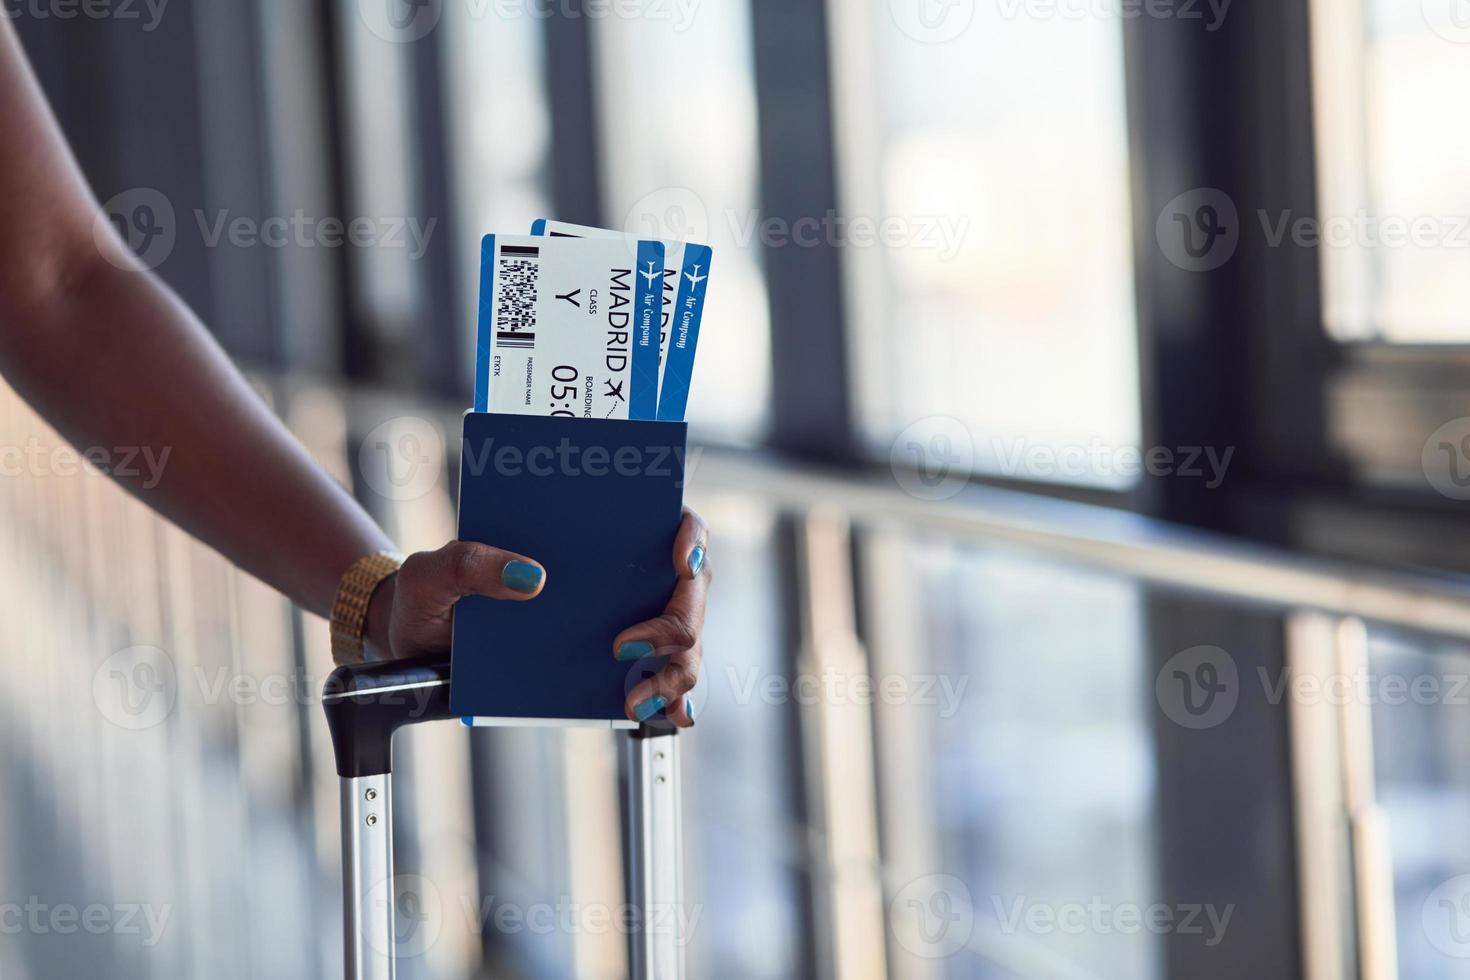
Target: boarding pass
x=568 y=327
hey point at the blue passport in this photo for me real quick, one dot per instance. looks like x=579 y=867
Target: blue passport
x=598 y=502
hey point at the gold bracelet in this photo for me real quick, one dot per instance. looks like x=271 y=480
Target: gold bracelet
x=349 y=610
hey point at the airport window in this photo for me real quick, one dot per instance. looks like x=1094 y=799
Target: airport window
x=1416 y=686
x=380 y=177
x=988 y=210
x=1392 y=200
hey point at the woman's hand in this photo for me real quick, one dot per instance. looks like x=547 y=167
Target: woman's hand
x=411 y=613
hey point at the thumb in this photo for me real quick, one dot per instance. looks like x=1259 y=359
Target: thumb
x=463 y=568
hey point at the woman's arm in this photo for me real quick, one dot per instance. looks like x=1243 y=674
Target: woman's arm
x=111 y=357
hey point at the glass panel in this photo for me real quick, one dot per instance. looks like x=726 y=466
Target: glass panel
x=158 y=814
x=381 y=164
x=1393 y=201
x=1021 y=788
x=1421 y=749
x=684 y=164
x=997 y=293
x=523 y=849
x=741 y=841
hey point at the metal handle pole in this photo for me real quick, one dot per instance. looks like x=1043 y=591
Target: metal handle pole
x=655 y=855
x=367 y=877
x=365 y=705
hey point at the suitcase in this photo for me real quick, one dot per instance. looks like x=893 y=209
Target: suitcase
x=366 y=704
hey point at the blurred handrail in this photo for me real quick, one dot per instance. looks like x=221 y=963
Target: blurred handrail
x=1099 y=537
x=1110 y=540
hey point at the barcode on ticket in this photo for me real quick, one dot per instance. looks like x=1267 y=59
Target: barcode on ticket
x=515 y=314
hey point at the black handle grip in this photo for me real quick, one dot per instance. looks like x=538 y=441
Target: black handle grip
x=367 y=703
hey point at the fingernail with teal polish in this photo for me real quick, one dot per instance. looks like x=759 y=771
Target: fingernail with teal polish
x=635 y=650
x=696 y=559
x=689 y=709
x=522 y=576
x=645 y=710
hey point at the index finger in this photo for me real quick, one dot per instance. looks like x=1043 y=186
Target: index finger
x=677 y=629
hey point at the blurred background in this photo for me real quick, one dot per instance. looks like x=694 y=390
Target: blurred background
x=1084 y=413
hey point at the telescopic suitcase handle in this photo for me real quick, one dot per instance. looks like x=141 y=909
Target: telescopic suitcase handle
x=366 y=704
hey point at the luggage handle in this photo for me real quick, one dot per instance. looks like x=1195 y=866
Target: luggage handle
x=366 y=704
